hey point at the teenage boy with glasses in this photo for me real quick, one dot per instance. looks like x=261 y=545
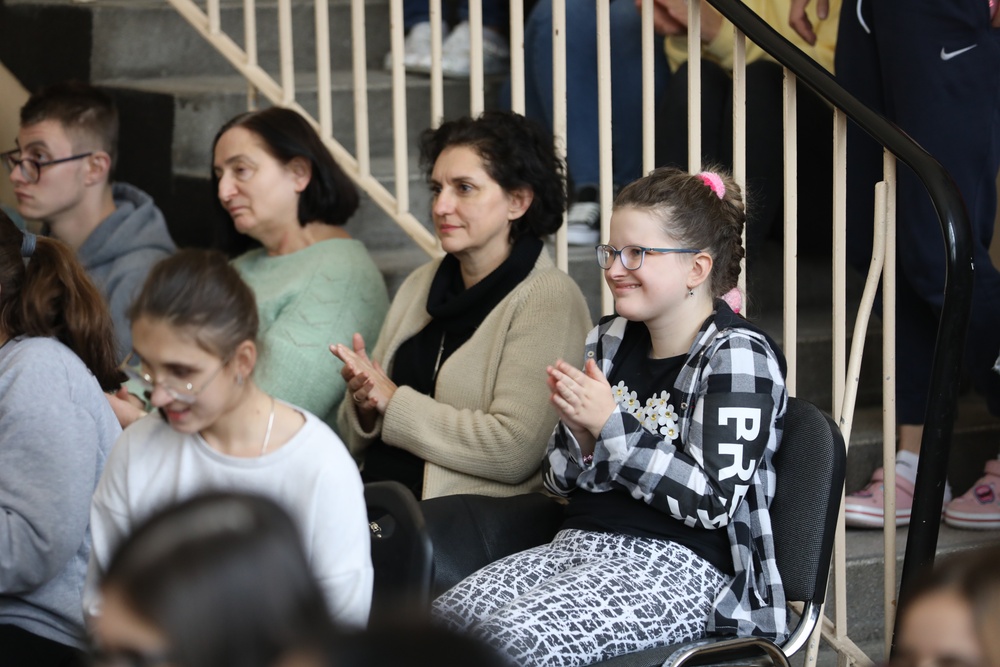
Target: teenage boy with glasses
x=62 y=170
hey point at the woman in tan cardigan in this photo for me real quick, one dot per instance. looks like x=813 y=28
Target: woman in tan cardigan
x=453 y=398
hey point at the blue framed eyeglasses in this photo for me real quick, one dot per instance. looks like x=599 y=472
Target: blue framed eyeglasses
x=632 y=255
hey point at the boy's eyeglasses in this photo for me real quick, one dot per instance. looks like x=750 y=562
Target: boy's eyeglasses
x=183 y=392
x=31 y=170
x=632 y=255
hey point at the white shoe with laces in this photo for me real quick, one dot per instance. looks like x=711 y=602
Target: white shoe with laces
x=417 y=48
x=455 y=52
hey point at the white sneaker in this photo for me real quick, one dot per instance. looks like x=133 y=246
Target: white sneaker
x=417 y=48
x=455 y=52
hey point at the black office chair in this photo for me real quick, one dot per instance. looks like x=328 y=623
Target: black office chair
x=809 y=471
x=401 y=553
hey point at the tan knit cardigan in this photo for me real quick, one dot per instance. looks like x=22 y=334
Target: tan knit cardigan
x=487 y=429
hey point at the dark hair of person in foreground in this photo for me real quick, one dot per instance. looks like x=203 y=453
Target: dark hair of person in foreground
x=224 y=579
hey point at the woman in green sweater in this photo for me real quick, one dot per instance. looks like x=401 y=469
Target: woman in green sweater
x=314 y=284
x=462 y=405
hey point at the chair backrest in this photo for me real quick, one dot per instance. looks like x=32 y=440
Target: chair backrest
x=470 y=531
x=401 y=552
x=809 y=469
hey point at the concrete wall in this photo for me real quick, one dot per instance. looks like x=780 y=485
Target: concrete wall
x=12 y=97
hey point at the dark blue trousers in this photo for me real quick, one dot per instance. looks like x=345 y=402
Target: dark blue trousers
x=933 y=68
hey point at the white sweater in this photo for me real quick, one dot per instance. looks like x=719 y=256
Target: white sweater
x=312 y=477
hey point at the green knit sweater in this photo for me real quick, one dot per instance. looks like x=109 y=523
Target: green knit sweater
x=307 y=301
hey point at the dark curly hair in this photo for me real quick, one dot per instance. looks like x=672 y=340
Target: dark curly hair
x=330 y=196
x=516 y=153
x=691 y=213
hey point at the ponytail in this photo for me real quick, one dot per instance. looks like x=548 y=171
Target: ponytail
x=52 y=296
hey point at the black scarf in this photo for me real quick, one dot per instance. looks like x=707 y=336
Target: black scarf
x=457 y=312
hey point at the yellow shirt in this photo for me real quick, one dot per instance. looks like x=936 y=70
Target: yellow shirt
x=775 y=13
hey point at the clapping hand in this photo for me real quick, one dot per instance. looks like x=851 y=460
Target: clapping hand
x=367 y=384
x=583 y=400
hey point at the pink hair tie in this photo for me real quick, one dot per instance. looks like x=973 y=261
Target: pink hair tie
x=734 y=299
x=714 y=181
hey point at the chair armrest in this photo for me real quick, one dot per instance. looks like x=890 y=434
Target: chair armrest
x=716 y=651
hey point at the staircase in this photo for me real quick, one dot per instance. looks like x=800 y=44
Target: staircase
x=174 y=92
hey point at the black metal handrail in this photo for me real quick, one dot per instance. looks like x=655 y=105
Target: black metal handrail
x=932 y=469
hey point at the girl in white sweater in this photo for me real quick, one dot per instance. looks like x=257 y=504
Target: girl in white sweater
x=194 y=328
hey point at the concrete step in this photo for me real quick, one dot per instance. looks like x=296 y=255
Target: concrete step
x=203 y=103
x=168 y=125
x=169 y=46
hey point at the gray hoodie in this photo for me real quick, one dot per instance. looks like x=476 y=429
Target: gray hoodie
x=121 y=251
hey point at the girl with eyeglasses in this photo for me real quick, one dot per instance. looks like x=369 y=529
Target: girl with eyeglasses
x=57 y=357
x=194 y=329
x=663 y=451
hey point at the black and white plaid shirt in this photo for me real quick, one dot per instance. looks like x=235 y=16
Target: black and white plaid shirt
x=730 y=399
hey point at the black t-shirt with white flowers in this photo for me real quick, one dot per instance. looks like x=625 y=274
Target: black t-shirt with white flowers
x=638 y=383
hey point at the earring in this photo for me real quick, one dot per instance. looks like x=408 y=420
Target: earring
x=690 y=291
x=239 y=379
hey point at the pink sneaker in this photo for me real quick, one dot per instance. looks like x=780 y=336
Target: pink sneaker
x=865 y=508
x=979 y=508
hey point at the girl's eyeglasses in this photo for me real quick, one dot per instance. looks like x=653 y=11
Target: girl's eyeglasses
x=183 y=392
x=632 y=255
